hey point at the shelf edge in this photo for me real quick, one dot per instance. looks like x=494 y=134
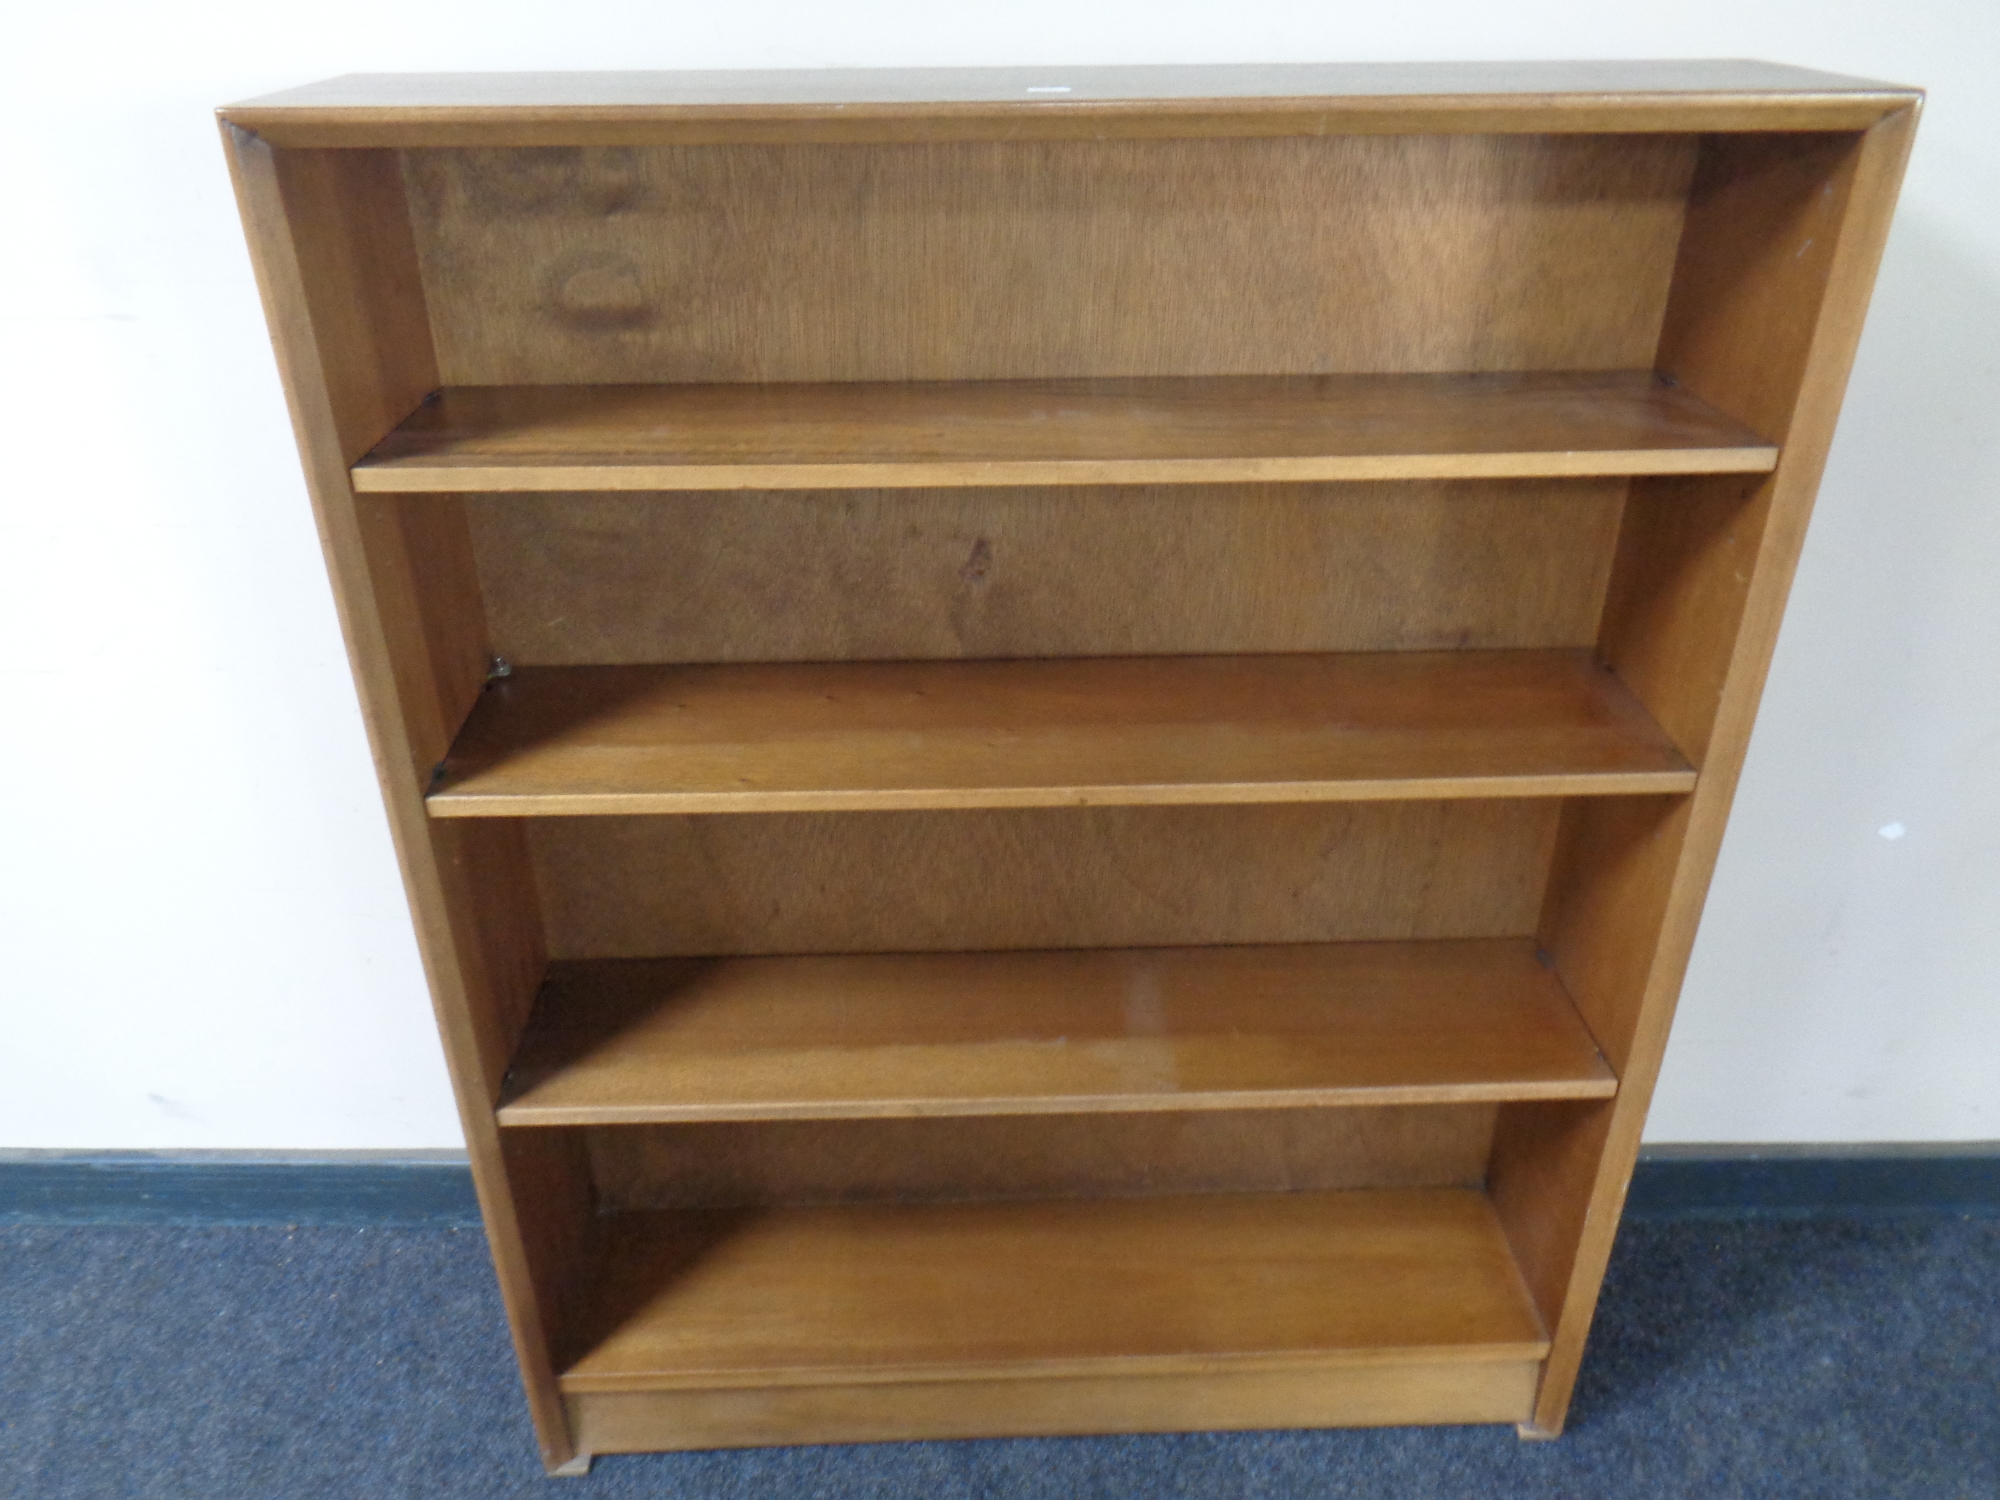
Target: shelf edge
x=520 y=1113
x=404 y=477
x=1138 y=1366
x=475 y=804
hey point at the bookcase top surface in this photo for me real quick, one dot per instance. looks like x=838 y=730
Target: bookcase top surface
x=421 y=109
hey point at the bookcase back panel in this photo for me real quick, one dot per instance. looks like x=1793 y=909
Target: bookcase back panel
x=998 y=260
x=616 y=887
x=1030 y=1156
x=1120 y=570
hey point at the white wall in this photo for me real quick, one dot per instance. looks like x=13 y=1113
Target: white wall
x=202 y=937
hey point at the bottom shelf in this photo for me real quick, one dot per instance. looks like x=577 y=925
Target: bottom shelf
x=894 y=1321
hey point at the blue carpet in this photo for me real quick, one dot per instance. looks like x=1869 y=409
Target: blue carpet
x=1825 y=1358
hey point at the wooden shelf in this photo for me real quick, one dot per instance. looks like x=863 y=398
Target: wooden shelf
x=891 y=1035
x=791 y=737
x=870 y=1293
x=1132 y=431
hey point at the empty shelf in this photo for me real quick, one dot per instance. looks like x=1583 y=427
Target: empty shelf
x=1129 y=431
x=1077 y=1287
x=675 y=1040
x=553 y=741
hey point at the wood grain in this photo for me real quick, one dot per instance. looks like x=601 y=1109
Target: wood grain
x=1069 y=878
x=1764 y=224
x=954 y=1159
x=888 y=256
x=856 y=1294
x=1622 y=945
x=1764 y=229
x=898 y=575
x=848 y=736
x=361 y=293
x=550 y=1195
x=459 y=109
x=1546 y=1158
x=1330 y=1393
x=1043 y=261
x=971 y=1034
x=419 y=557
x=329 y=238
x=1209 y=431
x=493 y=916
x=1687 y=551
x=1757 y=261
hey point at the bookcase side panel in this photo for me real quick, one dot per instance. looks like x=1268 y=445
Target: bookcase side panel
x=1752 y=285
x=362 y=291
x=418 y=549
x=330 y=242
x=1765 y=319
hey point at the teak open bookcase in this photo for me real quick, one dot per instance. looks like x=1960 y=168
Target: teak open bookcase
x=1057 y=735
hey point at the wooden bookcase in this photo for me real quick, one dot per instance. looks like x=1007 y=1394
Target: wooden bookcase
x=1057 y=735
